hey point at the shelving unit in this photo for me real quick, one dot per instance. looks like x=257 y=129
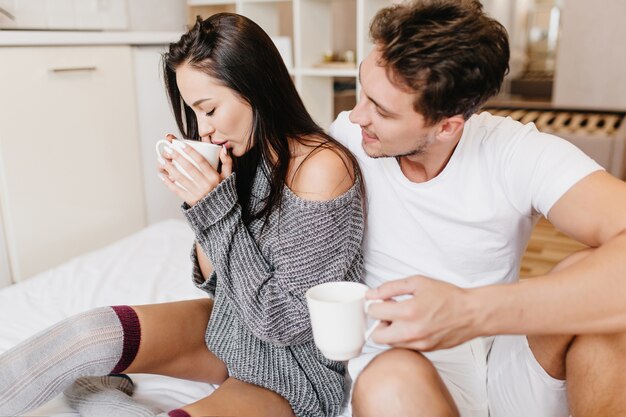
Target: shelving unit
x=315 y=28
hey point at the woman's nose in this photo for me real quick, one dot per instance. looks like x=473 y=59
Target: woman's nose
x=205 y=130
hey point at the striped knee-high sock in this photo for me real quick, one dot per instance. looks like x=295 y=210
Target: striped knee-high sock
x=110 y=396
x=98 y=342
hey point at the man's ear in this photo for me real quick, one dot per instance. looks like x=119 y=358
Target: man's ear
x=450 y=128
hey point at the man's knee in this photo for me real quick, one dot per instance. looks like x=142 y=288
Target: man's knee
x=401 y=382
x=596 y=365
x=586 y=347
x=551 y=351
x=598 y=347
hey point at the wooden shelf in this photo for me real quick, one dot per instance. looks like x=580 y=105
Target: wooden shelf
x=336 y=65
x=195 y=3
x=326 y=72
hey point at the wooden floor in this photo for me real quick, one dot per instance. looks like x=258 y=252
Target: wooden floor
x=546 y=248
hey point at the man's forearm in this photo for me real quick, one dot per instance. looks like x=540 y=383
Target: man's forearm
x=586 y=297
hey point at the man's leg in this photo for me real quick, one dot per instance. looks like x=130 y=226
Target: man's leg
x=401 y=382
x=596 y=366
x=593 y=365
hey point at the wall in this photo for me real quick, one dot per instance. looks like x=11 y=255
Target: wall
x=155 y=116
x=591 y=57
x=344 y=26
x=155 y=121
x=5 y=271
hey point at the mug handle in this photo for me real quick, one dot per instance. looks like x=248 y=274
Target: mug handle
x=161 y=143
x=374 y=325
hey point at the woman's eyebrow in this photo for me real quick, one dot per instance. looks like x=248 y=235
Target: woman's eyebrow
x=195 y=103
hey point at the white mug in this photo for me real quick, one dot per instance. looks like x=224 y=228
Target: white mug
x=338 y=312
x=209 y=151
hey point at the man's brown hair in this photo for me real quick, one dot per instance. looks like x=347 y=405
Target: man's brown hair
x=449 y=52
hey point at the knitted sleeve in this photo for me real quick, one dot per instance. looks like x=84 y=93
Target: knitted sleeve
x=316 y=241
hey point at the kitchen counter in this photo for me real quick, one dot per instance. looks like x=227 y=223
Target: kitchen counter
x=67 y=38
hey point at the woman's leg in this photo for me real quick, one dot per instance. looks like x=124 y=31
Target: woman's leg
x=238 y=398
x=38 y=369
x=189 y=358
x=106 y=396
x=149 y=339
x=173 y=344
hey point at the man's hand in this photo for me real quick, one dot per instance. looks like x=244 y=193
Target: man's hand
x=438 y=315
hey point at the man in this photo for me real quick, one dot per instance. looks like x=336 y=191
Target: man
x=453 y=197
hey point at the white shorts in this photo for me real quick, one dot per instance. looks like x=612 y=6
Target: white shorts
x=487 y=377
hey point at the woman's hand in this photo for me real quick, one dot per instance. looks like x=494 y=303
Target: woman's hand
x=203 y=180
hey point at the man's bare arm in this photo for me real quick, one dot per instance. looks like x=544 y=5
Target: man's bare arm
x=586 y=297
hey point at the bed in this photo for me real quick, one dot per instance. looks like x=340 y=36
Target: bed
x=150 y=266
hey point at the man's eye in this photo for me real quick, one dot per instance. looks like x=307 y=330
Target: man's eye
x=210 y=113
x=381 y=114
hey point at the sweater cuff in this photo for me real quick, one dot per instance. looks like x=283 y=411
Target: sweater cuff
x=196 y=272
x=207 y=285
x=213 y=207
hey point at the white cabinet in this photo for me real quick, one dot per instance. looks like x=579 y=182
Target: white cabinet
x=64 y=14
x=316 y=27
x=70 y=171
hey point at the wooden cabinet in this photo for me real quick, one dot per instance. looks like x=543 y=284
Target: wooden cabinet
x=70 y=170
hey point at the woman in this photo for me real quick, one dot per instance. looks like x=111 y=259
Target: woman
x=284 y=213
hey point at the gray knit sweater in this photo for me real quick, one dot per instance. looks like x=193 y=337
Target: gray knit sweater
x=260 y=325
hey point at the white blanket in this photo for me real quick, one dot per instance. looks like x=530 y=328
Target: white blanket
x=151 y=266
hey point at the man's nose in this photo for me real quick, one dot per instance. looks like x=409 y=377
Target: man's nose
x=358 y=115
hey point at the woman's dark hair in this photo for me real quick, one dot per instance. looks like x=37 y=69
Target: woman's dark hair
x=449 y=52
x=237 y=52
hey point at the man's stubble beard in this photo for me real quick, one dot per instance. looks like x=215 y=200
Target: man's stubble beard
x=420 y=150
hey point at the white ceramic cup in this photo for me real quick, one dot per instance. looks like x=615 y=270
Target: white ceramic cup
x=209 y=151
x=338 y=313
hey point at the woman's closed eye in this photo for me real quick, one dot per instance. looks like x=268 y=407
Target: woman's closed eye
x=210 y=113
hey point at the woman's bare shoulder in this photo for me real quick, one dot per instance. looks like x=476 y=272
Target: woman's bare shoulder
x=321 y=171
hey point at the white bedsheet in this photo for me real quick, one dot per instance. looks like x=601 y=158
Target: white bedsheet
x=151 y=266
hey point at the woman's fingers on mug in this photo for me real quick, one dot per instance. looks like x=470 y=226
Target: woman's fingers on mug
x=171 y=185
x=164 y=158
x=205 y=167
x=200 y=168
x=227 y=162
x=175 y=174
x=164 y=165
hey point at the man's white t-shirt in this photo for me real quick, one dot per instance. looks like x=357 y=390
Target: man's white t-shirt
x=470 y=225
